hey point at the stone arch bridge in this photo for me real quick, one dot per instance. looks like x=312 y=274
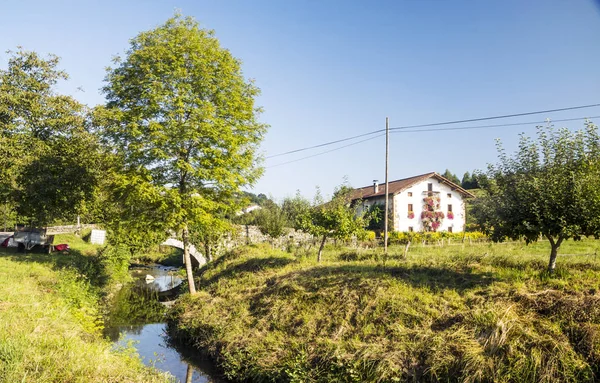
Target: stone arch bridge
x=197 y=257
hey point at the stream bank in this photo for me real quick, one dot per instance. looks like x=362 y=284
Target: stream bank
x=136 y=316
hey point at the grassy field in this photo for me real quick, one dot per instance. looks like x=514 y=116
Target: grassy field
x=472 y=313
x=50 y=323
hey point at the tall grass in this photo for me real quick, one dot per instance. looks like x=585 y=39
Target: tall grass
x=459 y=313
x=50 y=322
x=50 y=329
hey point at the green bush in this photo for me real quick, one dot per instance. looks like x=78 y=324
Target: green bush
x=402 y=238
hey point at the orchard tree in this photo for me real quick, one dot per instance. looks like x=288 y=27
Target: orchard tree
x=337 y=218
x=182 y=116
x=550 y=188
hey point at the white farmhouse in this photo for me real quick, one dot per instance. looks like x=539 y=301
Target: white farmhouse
x=428 y=202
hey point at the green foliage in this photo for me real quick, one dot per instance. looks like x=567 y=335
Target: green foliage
x=209 y=229
x=451 y=177
x=182 y=117
x=138 y=214
x=272 y=221
x=258 y=199
x=295 y=208
x=8 y=216
x=399 y=237
x=336 y=219
x=58 y=182
x=458 y=313
x=470 y=181
x=375 y=217
x=550 y=188
x=49 y=162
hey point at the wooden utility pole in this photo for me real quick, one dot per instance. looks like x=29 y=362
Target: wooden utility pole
x=387 y=150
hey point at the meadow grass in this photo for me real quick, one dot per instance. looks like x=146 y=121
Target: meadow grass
x=50 y=324
x=459 y=313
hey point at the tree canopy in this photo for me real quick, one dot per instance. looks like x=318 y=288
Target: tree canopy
x=182 y=116
x=550 y=188
x=337 y=218
x=451 y=177
x=49 y=161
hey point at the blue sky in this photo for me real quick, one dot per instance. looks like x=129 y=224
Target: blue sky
x=333 y=69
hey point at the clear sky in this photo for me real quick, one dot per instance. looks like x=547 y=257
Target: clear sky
x=333 y=69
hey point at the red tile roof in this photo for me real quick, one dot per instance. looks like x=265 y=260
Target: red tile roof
x=397 y=186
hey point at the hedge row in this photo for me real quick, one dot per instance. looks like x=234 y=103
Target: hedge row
x=399 y=237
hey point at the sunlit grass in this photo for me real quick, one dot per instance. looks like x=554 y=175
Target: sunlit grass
x=468 y=313
x=50 y=320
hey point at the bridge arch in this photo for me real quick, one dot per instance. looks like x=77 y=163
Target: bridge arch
x=196 y=256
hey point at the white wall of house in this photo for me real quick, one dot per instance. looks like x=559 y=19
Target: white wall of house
x=399 y=209
x=419 y=191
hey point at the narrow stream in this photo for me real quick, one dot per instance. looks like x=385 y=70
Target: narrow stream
x=138 y=315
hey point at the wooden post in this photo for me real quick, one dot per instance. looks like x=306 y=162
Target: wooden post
x=406 y=249
x=387 y=149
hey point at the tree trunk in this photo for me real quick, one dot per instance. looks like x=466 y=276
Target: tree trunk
x=247 y=235
x=406 y=249
x=188 y=260
x=321 y=248
x=207 y=252
x=554 y=246
x=189 y=374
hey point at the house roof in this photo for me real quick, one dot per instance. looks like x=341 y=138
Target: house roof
x=395 y=187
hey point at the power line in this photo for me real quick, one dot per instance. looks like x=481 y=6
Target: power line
x=497 y=117
x=325 y=152
x=432 y=130
x=427 y=125
x=325 y=144
x=493 y=126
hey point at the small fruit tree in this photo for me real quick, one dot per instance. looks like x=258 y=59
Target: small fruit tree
x=337 y=218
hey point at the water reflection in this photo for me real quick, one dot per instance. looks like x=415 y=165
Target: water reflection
x=136 y=314
x=163 y=277
x=155 y=350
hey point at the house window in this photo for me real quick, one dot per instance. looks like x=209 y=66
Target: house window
x=410 y=229
x=410 y=207
x=449 y=207
x=429 y=189
x=449 y=229
x=410 y=194
x=449 y=195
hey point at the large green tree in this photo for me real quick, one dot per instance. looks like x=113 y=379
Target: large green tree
x=49 y=163
x=550 y=188
x=182 y=116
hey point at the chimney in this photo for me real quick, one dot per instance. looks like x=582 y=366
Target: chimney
x=375 y=186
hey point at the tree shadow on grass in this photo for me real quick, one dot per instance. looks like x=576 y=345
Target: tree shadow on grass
x=252 y=265
x=433 y=278
x=338 y=284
